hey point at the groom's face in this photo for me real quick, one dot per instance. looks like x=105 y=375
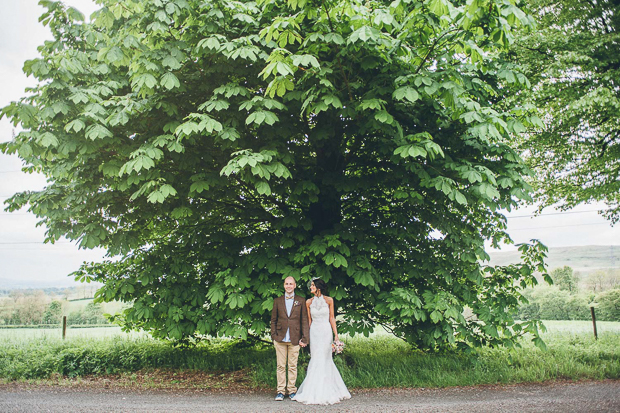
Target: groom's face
x=289 y=285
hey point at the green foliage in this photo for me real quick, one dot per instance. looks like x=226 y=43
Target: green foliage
x=31 y=309
x=564 y=278
x=40 y=358
x=91 y=314
x=603 y=279
x=564 y=301
x=53 y=313
x=215 y=148
x=379 y=361
x=552 y=303
x=609 y=305
x=24 y=307
x=572 y=63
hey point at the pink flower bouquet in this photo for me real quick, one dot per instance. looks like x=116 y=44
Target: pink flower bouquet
x=337 y=347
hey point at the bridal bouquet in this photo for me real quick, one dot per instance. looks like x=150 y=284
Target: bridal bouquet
x=337 y=347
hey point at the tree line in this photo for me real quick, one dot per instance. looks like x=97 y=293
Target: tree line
x=33 y=308
x=570 y=298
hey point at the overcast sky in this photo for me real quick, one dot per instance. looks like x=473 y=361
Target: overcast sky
x=24 y=258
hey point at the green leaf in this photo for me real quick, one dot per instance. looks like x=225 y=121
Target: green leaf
x=263 y=188
x=406 y=93
x=48 y=139
x=460 y=198
x=76 y=124
x=170 y=81
x=114 y=55
x=95 y=132
x=119 y=118
x=215 y=295
x=365 y=34
x=384 y=117
x=171 y=62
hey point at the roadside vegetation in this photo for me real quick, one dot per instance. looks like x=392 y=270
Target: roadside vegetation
x=378 y=361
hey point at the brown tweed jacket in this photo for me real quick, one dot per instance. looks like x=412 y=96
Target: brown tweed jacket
x=297 y=322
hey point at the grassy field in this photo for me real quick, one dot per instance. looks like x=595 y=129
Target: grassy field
x=14 y=335
x=378 y=361
x=554 y=328
x=80 y=305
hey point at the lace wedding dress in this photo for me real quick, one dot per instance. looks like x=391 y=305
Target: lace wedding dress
x=323 y=383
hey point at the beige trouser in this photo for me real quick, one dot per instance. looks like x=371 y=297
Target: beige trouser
x=282 y=351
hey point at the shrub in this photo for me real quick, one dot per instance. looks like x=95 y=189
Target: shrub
x=551 y=303
x=53 y=313
x=609 y=305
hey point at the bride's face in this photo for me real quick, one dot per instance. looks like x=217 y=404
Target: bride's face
x=312 y=288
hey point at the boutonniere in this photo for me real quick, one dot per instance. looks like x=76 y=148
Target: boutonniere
x=296 y=303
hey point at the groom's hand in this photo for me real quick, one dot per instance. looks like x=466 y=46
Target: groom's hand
x=301 y=343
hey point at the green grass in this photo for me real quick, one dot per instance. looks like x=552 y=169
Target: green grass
x=581 y=326
x=378 y=361
x=79 y=305
x=95 y=333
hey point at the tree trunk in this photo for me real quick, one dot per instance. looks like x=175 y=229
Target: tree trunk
x=326 y=140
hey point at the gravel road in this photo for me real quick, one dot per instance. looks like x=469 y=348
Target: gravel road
x=602 y=396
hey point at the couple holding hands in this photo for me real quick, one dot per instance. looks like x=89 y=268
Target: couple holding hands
x=297 y=322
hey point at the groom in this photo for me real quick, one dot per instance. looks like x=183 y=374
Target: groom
x=289 y=330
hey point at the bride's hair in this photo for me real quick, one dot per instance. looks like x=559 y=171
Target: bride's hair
x=320 y=285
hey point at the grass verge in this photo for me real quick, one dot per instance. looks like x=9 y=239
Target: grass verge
x=374 y=362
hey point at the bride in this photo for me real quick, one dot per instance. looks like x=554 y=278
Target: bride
x=323 y=383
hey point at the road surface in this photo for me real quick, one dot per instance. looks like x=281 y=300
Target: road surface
x=591 y=396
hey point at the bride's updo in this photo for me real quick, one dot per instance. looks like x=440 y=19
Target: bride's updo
x=320 y=285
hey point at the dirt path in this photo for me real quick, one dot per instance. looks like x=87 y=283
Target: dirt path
x=602 y=396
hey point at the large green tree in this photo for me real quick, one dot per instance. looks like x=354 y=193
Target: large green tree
x=216 y=147
x=573 y=62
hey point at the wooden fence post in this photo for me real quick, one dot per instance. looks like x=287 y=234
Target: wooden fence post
x=64 y=327
x=594 y=322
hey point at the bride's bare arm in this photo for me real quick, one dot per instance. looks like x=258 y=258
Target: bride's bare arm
x=332 y=319
x=308 y=302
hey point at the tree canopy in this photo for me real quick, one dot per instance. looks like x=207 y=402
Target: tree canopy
x=573 y=63
x=216 y=147
x=564 y=278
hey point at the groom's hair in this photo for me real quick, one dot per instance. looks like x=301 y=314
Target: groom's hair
x=320 y=285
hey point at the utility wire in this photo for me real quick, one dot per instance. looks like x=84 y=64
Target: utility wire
x=556 y=213
x=34 y=242
x=560 y=226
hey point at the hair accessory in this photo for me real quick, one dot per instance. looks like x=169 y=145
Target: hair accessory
x=312 y=280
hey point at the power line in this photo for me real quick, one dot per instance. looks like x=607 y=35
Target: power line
x=560 y=226
x=34 y=242
x=556 y=213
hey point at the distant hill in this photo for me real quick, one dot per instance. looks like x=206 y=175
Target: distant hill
x=583 y=259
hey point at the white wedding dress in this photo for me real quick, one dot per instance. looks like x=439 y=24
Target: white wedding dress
x=323 y=383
